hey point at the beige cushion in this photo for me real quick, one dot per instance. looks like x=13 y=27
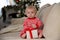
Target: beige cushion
x=52 y=25
x=41 y=9
x=45 y=13
x=15 y=21
x=17 y=25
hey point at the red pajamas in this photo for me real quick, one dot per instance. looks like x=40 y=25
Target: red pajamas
x=28 y=25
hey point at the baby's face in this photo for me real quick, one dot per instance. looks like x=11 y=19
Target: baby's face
x=30 y=13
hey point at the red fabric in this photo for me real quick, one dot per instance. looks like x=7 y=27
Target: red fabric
x=30 y=32
x=28 y=25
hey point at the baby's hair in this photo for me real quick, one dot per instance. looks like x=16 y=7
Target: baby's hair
x=31 y=7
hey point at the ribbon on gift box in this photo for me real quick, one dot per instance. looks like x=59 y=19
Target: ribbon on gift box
x=30 y=31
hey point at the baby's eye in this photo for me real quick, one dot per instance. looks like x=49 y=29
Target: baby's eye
x=32 y=12
x=28 y=12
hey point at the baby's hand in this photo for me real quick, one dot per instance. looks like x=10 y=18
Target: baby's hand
x=23 y=36
x=33 y=25
x=40 y=35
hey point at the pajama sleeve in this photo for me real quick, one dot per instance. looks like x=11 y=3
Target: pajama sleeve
x=40 y=27
x=39 y=24
x=24 y=27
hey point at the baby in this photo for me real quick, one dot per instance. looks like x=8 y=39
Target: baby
x=32 y=22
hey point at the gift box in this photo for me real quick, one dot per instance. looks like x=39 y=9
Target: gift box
x=32 y=34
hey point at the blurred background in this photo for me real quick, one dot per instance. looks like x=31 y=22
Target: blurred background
x=11 y=2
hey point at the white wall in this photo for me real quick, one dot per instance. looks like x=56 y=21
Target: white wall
x=43 y=2
x=12 y=2
x=3 y=3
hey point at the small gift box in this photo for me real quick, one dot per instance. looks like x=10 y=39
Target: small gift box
x=32 y=34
